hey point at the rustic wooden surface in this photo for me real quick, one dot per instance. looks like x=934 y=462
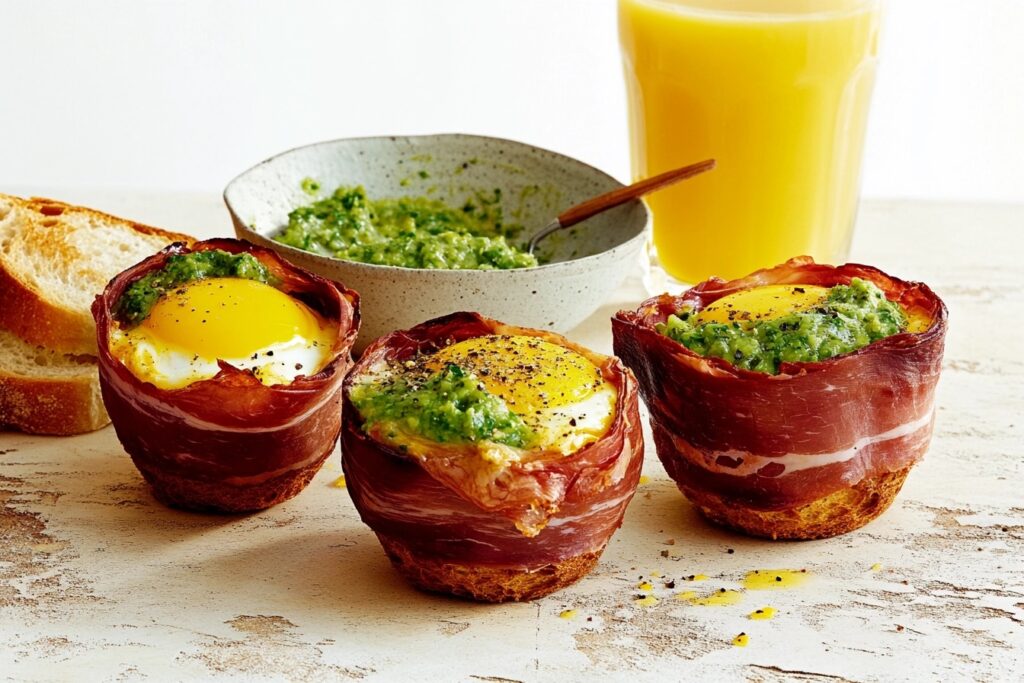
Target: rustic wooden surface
x=99 y=581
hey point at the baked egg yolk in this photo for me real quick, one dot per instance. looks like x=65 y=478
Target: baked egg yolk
x=559 y=394
x=246 y=323
x=528 y=373
x=763 y=303
x=774 y=301
x=228 y=317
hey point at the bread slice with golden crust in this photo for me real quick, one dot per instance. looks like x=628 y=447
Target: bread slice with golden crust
x=47 y=392
x=55 y=258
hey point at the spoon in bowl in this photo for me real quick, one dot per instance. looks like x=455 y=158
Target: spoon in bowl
x=591 y=207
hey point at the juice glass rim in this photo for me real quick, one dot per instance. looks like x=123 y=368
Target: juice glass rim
x=706 y=9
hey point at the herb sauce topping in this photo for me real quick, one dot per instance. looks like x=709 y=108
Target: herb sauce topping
x=447 y=406
x=850 y=317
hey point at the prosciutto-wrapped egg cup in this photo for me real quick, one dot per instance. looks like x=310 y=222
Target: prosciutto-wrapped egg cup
x=221 y=367
x=493 y=462
x=793 y=449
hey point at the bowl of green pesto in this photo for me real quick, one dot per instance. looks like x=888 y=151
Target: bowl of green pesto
x=422 y=226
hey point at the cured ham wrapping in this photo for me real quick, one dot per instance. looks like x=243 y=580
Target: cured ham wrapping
x=230 y=443
x=764 y=442
x=537 y=526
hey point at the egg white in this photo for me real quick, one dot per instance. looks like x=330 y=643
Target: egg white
x=568 y=428
x=168 y=367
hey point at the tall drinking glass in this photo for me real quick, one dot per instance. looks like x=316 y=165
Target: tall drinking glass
x=778 y=92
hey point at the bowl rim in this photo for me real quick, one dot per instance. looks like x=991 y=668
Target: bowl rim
x=645 y=210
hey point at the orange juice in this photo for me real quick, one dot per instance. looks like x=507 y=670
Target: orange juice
x=778 y=92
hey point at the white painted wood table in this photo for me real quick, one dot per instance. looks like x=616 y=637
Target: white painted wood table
x=100 y=582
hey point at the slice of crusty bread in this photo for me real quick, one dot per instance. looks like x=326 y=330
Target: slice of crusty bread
x=46 y=392
x=55 y=258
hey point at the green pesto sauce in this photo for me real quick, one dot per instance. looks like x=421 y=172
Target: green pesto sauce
x=413 y=232
x=448 y=406
x=139 y=298
x=851 y=317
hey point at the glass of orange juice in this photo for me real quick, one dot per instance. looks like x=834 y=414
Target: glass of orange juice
x=777 y=91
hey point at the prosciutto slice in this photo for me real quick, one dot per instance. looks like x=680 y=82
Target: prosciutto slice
x=776 y=442
x=230 y=430
x=533 y=513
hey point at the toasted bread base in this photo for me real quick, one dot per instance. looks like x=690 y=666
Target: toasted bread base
x=486 y=583
x=218 y=497
x=831 y=515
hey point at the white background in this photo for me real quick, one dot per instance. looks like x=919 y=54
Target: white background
x=183 y=96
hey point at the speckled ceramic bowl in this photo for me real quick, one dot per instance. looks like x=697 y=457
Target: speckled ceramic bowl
x=584 y=265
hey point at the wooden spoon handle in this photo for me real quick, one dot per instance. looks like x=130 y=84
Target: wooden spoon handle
x=592 y=207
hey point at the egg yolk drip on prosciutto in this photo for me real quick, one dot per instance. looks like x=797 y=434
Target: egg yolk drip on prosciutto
x=508 y=398
x=187 y=327
x=762 y=327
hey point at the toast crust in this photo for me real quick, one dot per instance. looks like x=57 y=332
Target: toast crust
x=486 y=583
x=28 y=312
x=51 y=406
x=831 y=515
